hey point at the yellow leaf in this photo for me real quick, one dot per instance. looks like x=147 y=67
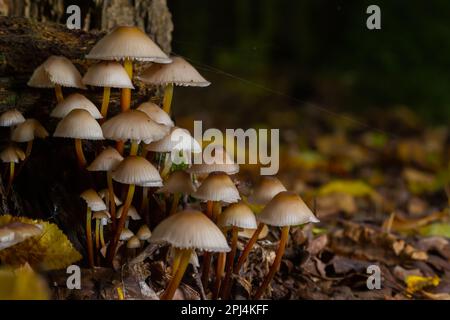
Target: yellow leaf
x=356 y=188
x=49 y=251
x=22 y=284
x=416 y=283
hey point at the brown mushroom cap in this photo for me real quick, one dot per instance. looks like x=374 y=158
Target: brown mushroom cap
x=237 y=215
x=107 y=74
x=11 y=118
x=126 y=234
x=28 y=131
x=286 y=209
x=107 y=160
x=156 y=113
x=221 y=162
x=132 y=213
x=101 y=215
x=190 y=229
x=12 y=154
x=127 y=43
x=93 y=200
x=178 y=139
x=133 y=243
x=268 y=188
x=75 y=101
x=217 y=187
x=136 y=170
x=144 y=233
x=178 y=182
x=79 y=124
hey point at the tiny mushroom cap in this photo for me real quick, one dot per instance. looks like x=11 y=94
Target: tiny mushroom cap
x=144 y=233
x=79 y=124
x=268 y=188
x=178 y=182
x=101 y=215
x=75 y=101
x=179 y=73
x=11 y=118
x=220 y=161
x=28 y=131
x=107 y=74
x=127 y=43
x=178 y=139
x=12 y=154
x=133 y=243
x=107 y=160
x=286 y=209
x=136 y=170
x=126 y=234
x=156 y=113
x=217 y=187
x=93 y=200
x=104 y=194
x=133 y=125
x=56 y=70
x=237 y=215
x=248 y=233
x=190 y=229
x=132 y=213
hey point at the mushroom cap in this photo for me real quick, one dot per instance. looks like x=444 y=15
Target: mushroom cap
x=221 y=162
x=136 y=170
x=152 y=184
x=190 y=229
x=178 y=182
x=28 y=131
x=104 y=194
x=93 y=200
x=217 y=187
x=75 y=101
x=11 y=118
x=179 y=73
x=133 y=125
x=178 y=139
x=156 y=113
x=144 y=233
x=12 y=154
x=286 y=209
x=132 y=213
x=237 y=215
x=126 y=234
x=107 y=160
x=101 y=215
x=108 y=74
x=133 y=243
x=126 y=42
x=56 y=70
x=248 y=233
x=79 y=124
x=268 y=188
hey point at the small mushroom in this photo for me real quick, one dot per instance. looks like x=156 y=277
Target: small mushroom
x=179 y=183
x=221 y=162
x=27 y=131
x=11 y=118
x=132 y=214
x=11 y=155
x=156 y=113
x=101 y=219
x=144 y=233
x=75 y=101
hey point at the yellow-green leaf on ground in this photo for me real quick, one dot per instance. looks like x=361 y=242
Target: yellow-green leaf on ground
x=22 y=283
x=356 y=188
x=441 y=229
x=416 y=283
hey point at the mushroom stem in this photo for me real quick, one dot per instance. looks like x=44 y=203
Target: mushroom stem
x=229 y=267
x=174 y=283
x=176 y=260
x=276 y=263
x=167 y=165
x=105 y=102
x=248 y=248
x=125 y=99
x=80 y=154
x=175 y=201
x=144 y=201
x=167 y=100
x=112 y=202
x=134 y=147
x=207 y=255
x=29 y=148
x=90 y=248
x=12 y=167
x=97 y=240
x=121 y=224
x=58 y=92
x=220 y=267
x=102 y=237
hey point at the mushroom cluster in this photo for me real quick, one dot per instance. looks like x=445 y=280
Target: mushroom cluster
x=203 y=210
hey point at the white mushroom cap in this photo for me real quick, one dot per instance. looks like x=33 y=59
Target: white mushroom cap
x=156 y=113
x=75 y=101
x=217 y=187
x=136 y=170
x=127 y=43
x=133 y=125
x=144 y=233
x=178 y=182
x=237 y=215
x=104 y=194
x=179 y=73
x=93 y=200
x=133 y=243
x=190 y=229
x=108 y=74
x=220 y=161
x=12 y=154
x=11 y=118
x=101 y=215
x=286 y=209
x=28 y=131
x=177 y=140
x=268 y=188
x=56 y=70
x=132 y=213
x=107 y=160
x=79 y=124
x=126 y=234
x=152 y=184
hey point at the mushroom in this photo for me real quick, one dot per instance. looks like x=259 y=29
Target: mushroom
x=156 y=113
x=236 y=216
x=132 y=244
x=27 y=131
x=101 y=219
x=11 y=155
x=132 y=214
x=11 y=118
x=186 y=231
x=133 y=170
x=127 y=44
x=107 y=75
x=56 y=72
x=284 y=210
x=126 y=234
x=106 y=161
x=179 y=73
x=93 y=203
x=75 y=101
x=179 y=183
x=79 y=125
x=144 y=233
x=221 y=162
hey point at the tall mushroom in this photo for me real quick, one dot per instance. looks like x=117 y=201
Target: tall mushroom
x=101 y=219
x=179 y=73
x=179 y=183
x=11 y=155
x=186 y=231
x=27 y=131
